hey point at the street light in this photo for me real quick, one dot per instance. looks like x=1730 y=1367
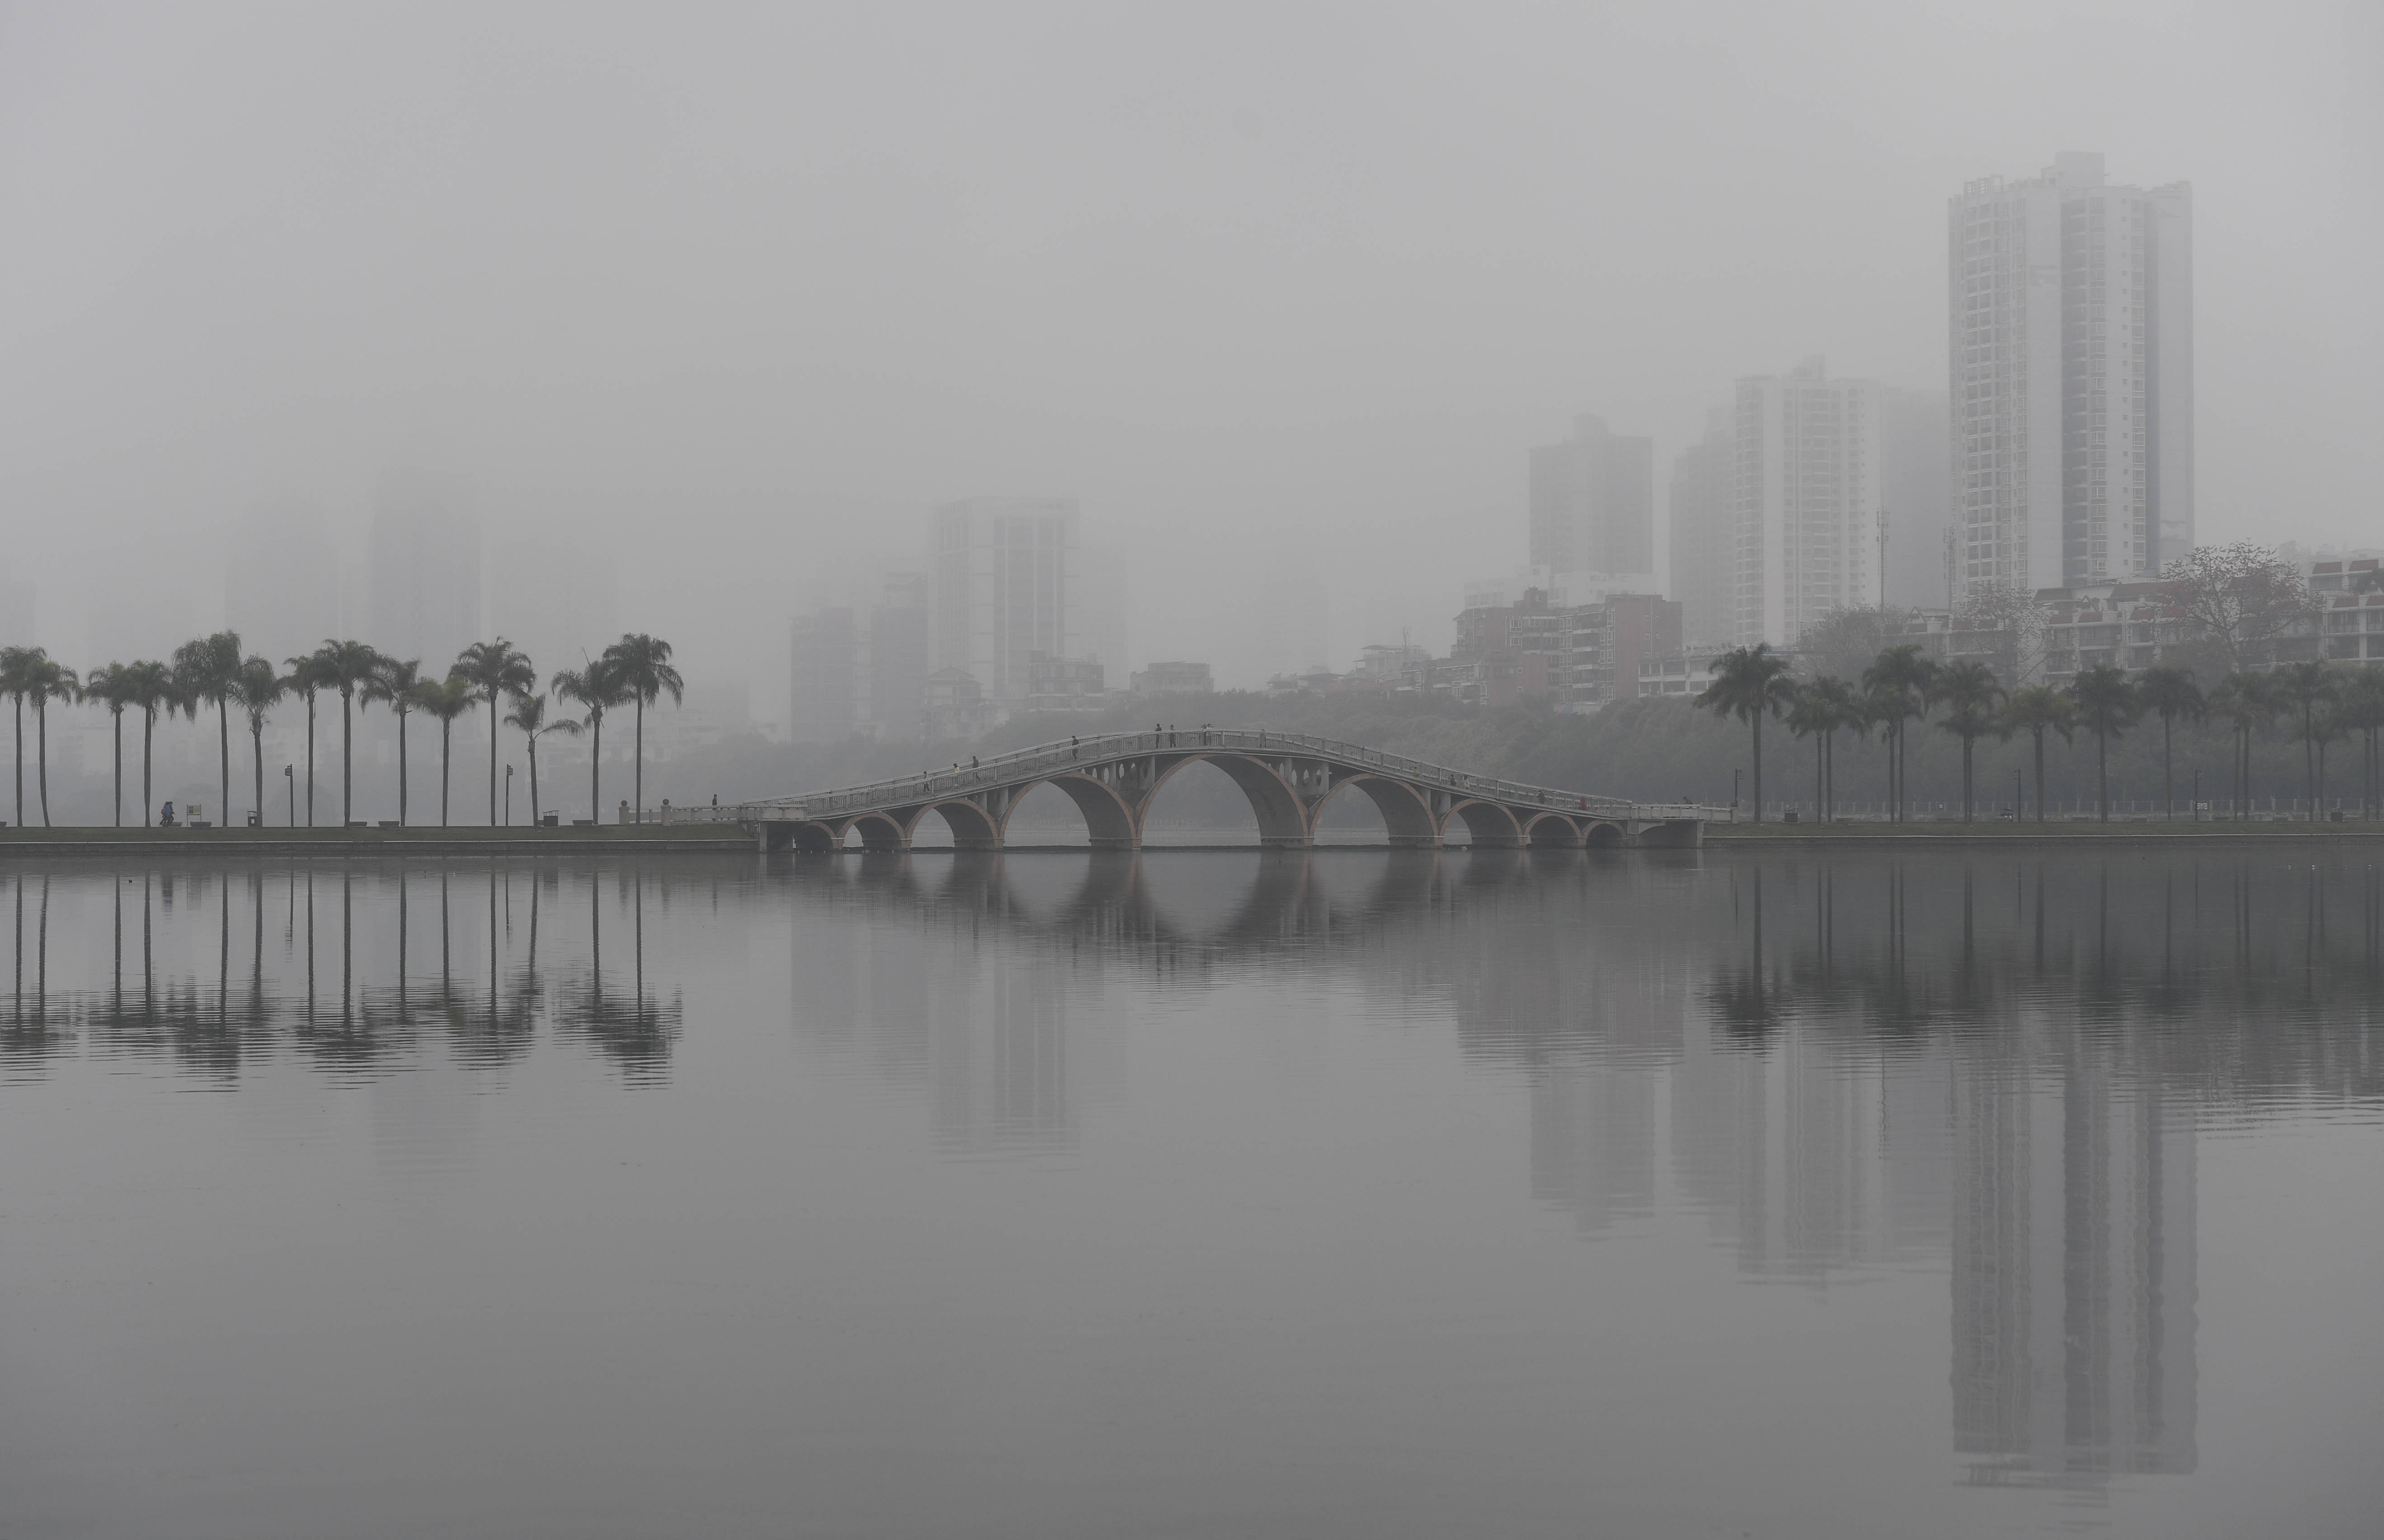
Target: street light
x=509 y=795
x=289 y=774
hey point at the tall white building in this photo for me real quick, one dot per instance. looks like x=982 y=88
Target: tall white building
x=2072 y=349
x=1808 y=454
x=1593 y=500
x=1004 y=578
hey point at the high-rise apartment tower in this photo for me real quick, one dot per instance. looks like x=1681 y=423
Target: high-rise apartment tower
x=2072 y=351
x=1810 y=454
x=1004 y=576
x=1593 y=501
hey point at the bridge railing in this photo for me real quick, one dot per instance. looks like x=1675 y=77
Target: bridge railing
x=960 y=780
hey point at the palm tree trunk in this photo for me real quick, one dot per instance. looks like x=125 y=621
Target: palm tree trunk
x=2309 y=761
x=1756 y=722
x=2103 y=776
x=446 y=744
x=310 y=760
x=2040 y=776
x=532 y=738
x=595 y=757
x=223 y=747
x=641 y=765
x=347 y=758
x=1965 y=777
x=492 y=759
x=20 y=762
x=2169 y=774
x=401 y=762
x=148 y=733
x=1820 y=778
x=119 y=714
x=257 y=745
x=42 y=751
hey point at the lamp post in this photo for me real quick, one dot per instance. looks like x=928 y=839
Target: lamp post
x=289 y=776
x=509 y=795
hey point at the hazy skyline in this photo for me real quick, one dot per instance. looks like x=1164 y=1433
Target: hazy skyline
x=1261 y=287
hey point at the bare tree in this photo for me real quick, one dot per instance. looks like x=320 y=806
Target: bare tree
x=2240 y=600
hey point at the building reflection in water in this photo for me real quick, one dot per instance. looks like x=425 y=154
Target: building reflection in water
x=1996 y=1065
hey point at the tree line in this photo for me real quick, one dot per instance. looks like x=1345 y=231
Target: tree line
x=1903 y=686
x=216 y=671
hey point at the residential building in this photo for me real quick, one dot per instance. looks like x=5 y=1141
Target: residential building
x=1808 y=454
x=1607 y=641
x=951 y=705
x=1703 y=529
x=1064 y=685
x=1506 y=652
x=1174 y=678
x=2071 y=339
x=860 y=670
x=1593 y=500
x=1003 y=585
x=1916 y=491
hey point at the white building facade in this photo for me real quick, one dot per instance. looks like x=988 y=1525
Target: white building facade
x=1004 y=578
x=2071 y=340
x=1807 y=454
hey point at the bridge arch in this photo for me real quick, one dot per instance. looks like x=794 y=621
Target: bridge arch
x=1407 y=817
x=1283 y=820
x=1491 y=824
x=1110 y=823
x=1603 y=834
x=882 y=831
x=1553 y=831
x=972 y=829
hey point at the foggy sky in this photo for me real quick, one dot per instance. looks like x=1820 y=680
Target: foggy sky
x=735 y=293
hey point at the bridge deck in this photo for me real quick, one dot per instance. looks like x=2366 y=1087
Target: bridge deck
x=1280 y=771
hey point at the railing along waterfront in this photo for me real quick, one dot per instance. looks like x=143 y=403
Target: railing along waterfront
x=1044 y=759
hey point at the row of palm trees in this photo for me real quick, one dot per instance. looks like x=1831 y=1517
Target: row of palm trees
x=214 y=671
x=1904 y=684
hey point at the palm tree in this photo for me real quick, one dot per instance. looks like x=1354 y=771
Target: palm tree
x=2308 y=685
x=106 y=685
x=46 y=679
x=257 y=687
x=1750 y=683
x=1837 y=699
x=642 y=663
x=2248 y=702
x=209 y=671
x=2036 y=710
x=1971 y=693
x=495 y=669
x=2107 y=705
x=305 y=681
x=2362 y=709
x=394 y=684
x=12 y=684
x=529 y=716
x=149 y=686
x=1903 y=681
x=2169 y=692
x=346 y=667
x=443 y=701
x=595 y=689
x=1813 y=716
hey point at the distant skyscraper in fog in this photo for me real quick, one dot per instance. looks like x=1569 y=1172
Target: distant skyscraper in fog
x=554 y=598
x=2072 y=347
x=1703 y=531
x=1919 y=498
x=281 y=583
x=1004 y=581
x=1808 y=453
x=423 y=575
x=1593 y=502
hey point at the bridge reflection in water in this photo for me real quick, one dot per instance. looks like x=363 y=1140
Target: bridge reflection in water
x=1997 y=1065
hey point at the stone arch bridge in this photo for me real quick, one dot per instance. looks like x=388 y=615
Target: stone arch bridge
x=1289 y=779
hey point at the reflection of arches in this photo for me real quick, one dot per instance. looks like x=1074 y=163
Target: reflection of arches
x=1603 y=835
x=1282 y=819
x=1490 y=825
x=1110 y=823
x=1406 y=817
x=1553 y=831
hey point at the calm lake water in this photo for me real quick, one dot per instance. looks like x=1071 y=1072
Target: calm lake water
x=1209 y=1193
